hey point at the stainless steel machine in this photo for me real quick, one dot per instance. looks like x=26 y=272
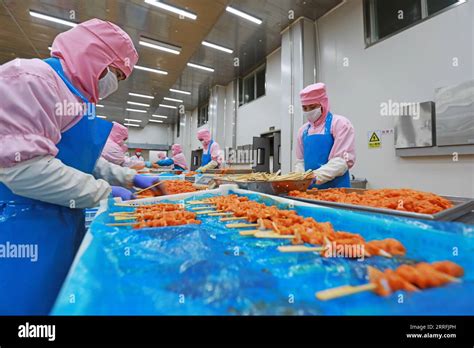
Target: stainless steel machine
x=455 y=114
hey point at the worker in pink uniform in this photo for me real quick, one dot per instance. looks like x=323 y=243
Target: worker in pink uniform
x=50 y=163
x=115 y=147
x=211 y=154
x=179 y=160
x=326 y=143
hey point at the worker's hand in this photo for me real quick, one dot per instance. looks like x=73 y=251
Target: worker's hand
x=144 y=181
x=148 y=164
x=154 y=165
x=118 y=191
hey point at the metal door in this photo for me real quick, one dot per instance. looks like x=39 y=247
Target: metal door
x=261 y=154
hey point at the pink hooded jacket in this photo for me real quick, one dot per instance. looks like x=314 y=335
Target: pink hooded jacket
x=341 y=128
x=114 y=148
x=205 y=134
x=36 y=104
x=178 y=156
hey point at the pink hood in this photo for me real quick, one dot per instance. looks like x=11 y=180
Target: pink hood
x=176 y=149
x=88 y=49
x=316 y=93
x=204 y=134
x=161 y=155
x=31 y=91
x=114 y=148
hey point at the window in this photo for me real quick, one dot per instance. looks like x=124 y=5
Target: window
x=252 y=86
x=249 y=89
x=438 y=5
x=203 y=115
x=384 y=18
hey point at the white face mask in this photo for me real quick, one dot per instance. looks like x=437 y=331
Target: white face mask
x=138 y=154
x=313 y=115
x=108 y=84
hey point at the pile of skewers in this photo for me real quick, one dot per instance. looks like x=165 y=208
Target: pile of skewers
x=396 y=199
x=287 y=224
x=408 y=278
x=269 y=177
x=156 y=215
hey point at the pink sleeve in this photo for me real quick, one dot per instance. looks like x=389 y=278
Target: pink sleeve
x=29 y=122
x=299 y=144
x=216 y=153
x=344 y=140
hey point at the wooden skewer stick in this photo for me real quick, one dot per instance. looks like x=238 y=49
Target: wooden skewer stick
x=299 y=249
x=241 y=225
x=248 y=232
x=272 y=235
x=205 y=212
x=122 y=224
x=201 y=208
x=234 y=218
x=220 y=214
x=122 y=218
x=344 y=290
x=199 y=203
x=149 y=187
x=123 y=213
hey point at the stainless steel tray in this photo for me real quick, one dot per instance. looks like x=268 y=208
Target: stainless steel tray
x=278 y=187
x=462 y=206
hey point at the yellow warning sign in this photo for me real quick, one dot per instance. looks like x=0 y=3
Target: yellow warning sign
x=374 y=140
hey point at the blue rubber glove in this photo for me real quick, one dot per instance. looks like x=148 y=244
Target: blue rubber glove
x=123 y=193
x=148 y=164
x=144 y=181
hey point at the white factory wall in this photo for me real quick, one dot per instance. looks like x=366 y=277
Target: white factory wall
x=259 y=115
x=406 y=67
x=151 y=134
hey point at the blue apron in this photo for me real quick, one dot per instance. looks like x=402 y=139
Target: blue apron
x=317 y=148
x=29 y=284
x=206 y=157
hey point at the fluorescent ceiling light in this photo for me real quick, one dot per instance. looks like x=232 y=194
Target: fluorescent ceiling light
x=202 y=67
x=141 y=95
x=172 y=99
x=243 y=15
x=156 y=121
x=99 y=106
x=157 y=45
x=168 y=106
x=52 y=19
x=217 y=47
x=132 y=120
x=136 y=110
x=131 y=125
x=179 y=91
x=172 y=9
x=156 y=71
x=139 y=104
x=100 y=116
x=159 y=116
